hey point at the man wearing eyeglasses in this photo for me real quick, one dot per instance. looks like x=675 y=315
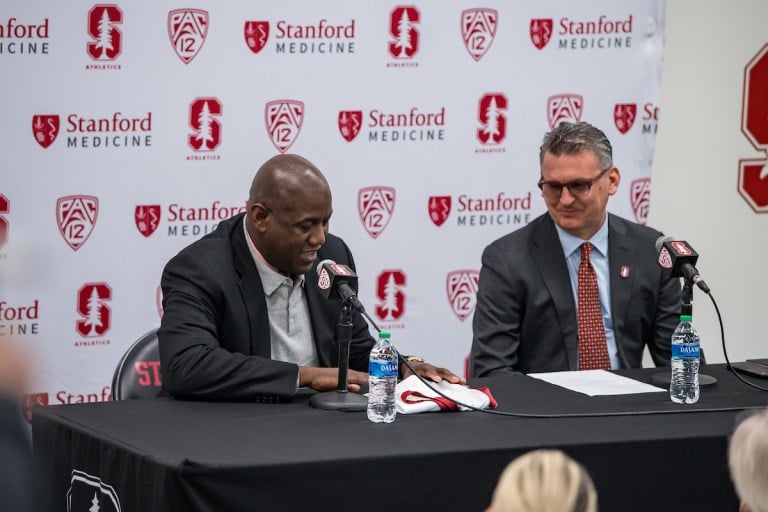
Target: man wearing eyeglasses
x=577 y=288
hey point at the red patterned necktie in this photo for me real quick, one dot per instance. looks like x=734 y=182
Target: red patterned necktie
x=593 y=351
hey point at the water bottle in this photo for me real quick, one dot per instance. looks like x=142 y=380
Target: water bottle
x=382 y=379
x=684 y=385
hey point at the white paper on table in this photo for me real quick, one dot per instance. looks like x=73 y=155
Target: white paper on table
x=596 y=382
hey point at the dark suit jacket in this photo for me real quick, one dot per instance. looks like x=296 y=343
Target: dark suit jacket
x=214 y=334
x=525 y=319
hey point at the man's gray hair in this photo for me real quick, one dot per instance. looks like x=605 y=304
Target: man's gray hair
x=573 y=138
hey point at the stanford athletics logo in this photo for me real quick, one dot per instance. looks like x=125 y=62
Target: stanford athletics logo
x=256 y=34
x=493 y=122
x=389 y=290
x=187 y=29
x=681 y=248
x=461 y=286
x=564 y=107
x=375 y=205
x=107 y=40
x=284 y=119
x=624 y=115
x=478 y=28
x=45 y=128
x=76 y=217
x=403 y=27
x=88 y=493
x=541 y=32
x=204 y=120
x=92 y=306
x=439 y=209
x=753 y=173
x=5 y=207
x=147 y=218
x=640 y=197
x=350 y=122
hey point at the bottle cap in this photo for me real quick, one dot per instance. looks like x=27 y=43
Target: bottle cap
x=685 y=318
x=383 y=334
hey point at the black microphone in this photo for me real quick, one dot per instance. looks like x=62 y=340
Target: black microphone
x=338 y=281
x=679 y=259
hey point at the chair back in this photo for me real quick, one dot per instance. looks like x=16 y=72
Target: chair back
x=138 y=373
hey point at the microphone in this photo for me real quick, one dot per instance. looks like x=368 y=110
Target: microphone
x=338 y=281
x=679 y=258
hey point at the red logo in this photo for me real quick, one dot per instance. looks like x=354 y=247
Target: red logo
x=45 y=128
x=33 y=400
x=159 y=300
x=493 y=121
x=439 y=209
x=256 y=34
x=640 y=197
x=461 y=286
x=324 y=281
x=541 y=32
x=753 y=173
x=564 y=107
x=147 y=218
x=76 y=217
x=204 y=120
x=624 y=272
x=107 y=39
x=389 y=290
x=403 y=27
x=284 y=118
x=624 y=115
x=375 y=205
x=665 y=260
x=5 y=207
x=341 y=270
x=92 y=306
x=187 y=29
x=350 y=122
x=681 y=249
x=478 y=28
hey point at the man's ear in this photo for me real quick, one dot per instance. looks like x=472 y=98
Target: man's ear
x=259 y=215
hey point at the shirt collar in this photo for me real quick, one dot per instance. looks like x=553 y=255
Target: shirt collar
x=271 y=279
x=572 y=243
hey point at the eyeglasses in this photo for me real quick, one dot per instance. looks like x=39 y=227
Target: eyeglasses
x=577 y=188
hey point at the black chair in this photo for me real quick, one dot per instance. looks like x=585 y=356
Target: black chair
x=138 y=373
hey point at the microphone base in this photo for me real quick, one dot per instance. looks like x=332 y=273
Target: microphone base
x=339 y=401
x=664 y=379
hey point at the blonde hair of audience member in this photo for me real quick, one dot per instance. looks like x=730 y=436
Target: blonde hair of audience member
x=544 y=481
x=748 y=461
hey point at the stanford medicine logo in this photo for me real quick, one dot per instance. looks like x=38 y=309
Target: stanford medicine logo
x=375 y=205
x=390 y=290
x=87 y=492
x=492 y=118
x=595 y=34
x=404 y=31
x=76 y=217
x=5 y=208
x=439 y=208
x=45 y=128
x=204 y=119
x=461 y=287
x=256 y=34
x=350 y=122
x=31 y=401
x=624 y=115
x=541 y=32
x=411 y=126
x=500 y=209
x=640 y=198
x=187 y=29
x=22 y=37
x=322 y=37
x=564 y=107
x=147 y=218
x=106 y=39
x=478 y=28
x=753 y=173
x=92 y=306
x=283 y=119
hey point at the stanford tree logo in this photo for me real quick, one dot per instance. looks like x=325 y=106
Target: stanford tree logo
x=187 y=29
x=106 y=39
x=753 y=173
x=256 y=34
x=147 y=218
x=403 y=27
x=624 y=115
x=461 y=287
x=92 y=307
x=640 y=198
x=541 y=32
x=390 y=292
x=45 y=128
x=350 y=122
x=564 y=107
x=478 y=28
x=283 y=119
x=76 y=217
x=493 y=121
x=375 y=205
x=439 y=209
x=204 y=114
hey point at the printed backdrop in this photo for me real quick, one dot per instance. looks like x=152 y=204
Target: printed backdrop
x=131 y=129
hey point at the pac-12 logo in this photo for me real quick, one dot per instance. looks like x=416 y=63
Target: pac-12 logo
x=284 y=119
x=478 y=29
x=5 y=207
x=541 y=32
x=45 y=128
x=753 y=173
x=403 y=27
x=439 y=208
x=491 y=116
x=88 y=492
x=640 y=198
x=92 y=306
x=204 y=119
x=256 y=34
x=624 y=115
x=390 y=292
x=375 y=205
x=106 y=39
x=76 y=216
x=187 y=29
x=564 y=107
x=461 y=287
x=147 y=218
x=350 y=122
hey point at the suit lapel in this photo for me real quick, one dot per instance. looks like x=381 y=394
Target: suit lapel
x=621 y=262
x=553 y=270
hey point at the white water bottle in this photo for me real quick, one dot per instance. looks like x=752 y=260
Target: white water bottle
x=382 y=379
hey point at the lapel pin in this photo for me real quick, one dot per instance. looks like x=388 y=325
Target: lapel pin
x=624 y=272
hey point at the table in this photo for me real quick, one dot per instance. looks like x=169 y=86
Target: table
x=166 y=455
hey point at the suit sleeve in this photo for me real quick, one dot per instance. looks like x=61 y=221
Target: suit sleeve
x=665 y=321
x=498 y=313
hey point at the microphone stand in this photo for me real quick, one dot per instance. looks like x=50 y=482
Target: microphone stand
x=341 y=399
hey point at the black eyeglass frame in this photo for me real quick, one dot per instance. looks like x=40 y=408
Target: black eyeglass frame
x=582 y=186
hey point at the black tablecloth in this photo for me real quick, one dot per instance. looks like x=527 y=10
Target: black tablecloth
x=167 y=455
